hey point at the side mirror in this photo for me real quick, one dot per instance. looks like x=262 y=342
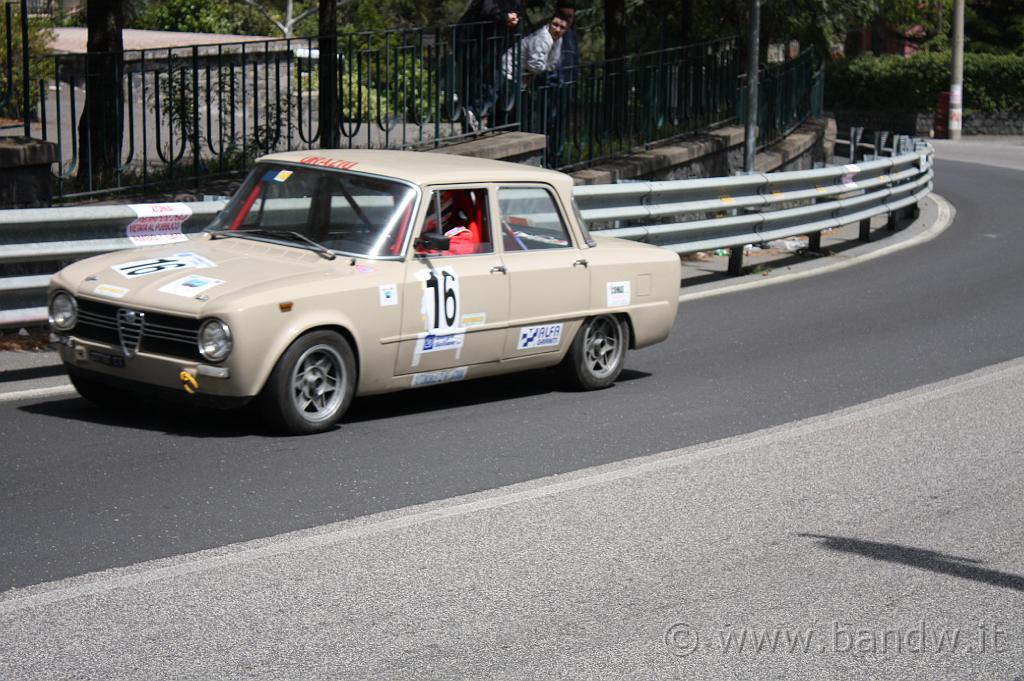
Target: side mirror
x=433 y=242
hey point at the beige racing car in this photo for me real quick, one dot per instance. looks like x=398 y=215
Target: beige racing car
x=332 y=274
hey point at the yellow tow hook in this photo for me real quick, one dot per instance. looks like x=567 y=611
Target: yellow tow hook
x=188 y=382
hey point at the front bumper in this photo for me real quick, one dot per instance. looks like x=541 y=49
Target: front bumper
x=149 y=374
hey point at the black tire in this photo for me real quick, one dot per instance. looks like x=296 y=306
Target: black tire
x=597 y=354
x=311 y=385
x=101 y=394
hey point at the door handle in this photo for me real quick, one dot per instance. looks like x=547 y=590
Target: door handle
x=581 y=261
x=498 y=268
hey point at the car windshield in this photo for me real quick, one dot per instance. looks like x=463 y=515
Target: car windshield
x=346 y=212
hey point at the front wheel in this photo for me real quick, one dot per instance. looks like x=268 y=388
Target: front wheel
x=597 y=354
x=311 y=385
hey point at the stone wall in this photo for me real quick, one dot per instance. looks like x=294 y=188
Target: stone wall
x=920 y=124
x=1001 y=123
x=718 y=154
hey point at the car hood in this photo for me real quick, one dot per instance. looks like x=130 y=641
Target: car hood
x=190 y=276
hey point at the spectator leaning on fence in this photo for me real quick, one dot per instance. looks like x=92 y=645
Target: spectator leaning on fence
x=542 y=49
x=477 y=63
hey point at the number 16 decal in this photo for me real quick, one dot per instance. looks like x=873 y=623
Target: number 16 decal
x=441 y=300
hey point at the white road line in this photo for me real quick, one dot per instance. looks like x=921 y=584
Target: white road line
x=327 y=535
x=37 y=392
x=946 y=213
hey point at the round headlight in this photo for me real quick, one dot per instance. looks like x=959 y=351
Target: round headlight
x=63 y=311
x=214 y=340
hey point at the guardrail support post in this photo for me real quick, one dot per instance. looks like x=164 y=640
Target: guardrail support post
x=736 y=261
x=814 y=242
x=891 y=222
x=865 y=230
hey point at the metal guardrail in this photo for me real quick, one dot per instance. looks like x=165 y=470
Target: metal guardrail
x=687 y=216
x=684 y=216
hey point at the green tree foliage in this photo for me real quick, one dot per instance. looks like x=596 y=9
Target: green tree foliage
x=40 y=67
x=995 y=26
x=201 y=16
x=992 y=82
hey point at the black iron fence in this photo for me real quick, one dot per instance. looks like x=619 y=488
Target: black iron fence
x=787 y=94
x=179 y=118
x=604 y=109
x=15 y=79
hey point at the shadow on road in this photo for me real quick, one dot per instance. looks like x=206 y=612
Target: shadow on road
x=957 y=566
x=187 y=421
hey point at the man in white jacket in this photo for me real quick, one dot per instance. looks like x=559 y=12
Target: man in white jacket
x=542 y=49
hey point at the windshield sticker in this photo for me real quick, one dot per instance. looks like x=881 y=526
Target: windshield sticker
x=618 y=293
x=474 y=319
x=388 y=295
x=328 y=162
x=178 y=261
x=282 y=176
x=111 y=291
x=189 y=286
x=157 y=223
x=435 y=377
x=539 y=336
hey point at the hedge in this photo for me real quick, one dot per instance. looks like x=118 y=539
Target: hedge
x=992 y=82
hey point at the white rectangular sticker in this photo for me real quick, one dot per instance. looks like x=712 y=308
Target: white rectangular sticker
x=539 y=336
x=189 y=286
x=157 y=223
x=618 y=293
x=437 y=342
x=111 y=291
x=435 y=377
x=388 y=294
x=168 y=263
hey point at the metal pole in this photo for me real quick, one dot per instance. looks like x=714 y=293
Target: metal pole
x=26 y=96
x=753 y=63
x=956 y=81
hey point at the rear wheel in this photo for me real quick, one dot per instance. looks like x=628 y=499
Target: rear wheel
x=597 y=354
x=312 y=384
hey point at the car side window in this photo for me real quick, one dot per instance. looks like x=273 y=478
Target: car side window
x=461 y=216
x=530 y=220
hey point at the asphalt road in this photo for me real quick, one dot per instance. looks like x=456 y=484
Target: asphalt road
x=84 y=491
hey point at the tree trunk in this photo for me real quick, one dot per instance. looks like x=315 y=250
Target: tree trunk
x=327 y=73
x=614 y=29
x=100 y=128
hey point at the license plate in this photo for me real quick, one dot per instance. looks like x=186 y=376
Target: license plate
x=116 y=361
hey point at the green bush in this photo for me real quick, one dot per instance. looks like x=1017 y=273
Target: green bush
x=992 y=82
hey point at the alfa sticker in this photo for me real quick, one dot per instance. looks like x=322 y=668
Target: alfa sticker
x=178 y=261
x=618 y=293
x=435 y=377
x=189 y=286
x=539 y=336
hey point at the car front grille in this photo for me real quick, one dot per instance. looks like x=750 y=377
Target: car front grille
x=136 y=330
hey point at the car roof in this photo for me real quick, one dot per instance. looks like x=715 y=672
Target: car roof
x=421 y=167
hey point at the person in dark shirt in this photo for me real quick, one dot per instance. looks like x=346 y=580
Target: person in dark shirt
x=485 y=31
